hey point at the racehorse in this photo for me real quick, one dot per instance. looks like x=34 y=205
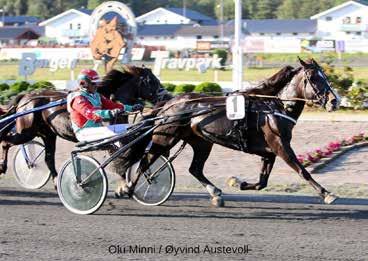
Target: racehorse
x=265 y=131
x=129 y=86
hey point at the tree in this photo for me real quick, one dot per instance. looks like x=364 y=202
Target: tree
x=264 y=9
x=20 y=7
x=228 y=10
x=310 y=8
x=38 y=8
x=288 y=9
x=92 y=4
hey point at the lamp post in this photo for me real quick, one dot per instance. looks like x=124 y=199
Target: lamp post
x=3 y=17
x=184 y=9
x=237 y=49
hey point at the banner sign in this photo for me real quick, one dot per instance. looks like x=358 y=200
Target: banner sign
x=316 y=46
x=112 y=33
x=30 y=62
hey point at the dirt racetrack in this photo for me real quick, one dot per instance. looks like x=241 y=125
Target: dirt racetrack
x=289 y=226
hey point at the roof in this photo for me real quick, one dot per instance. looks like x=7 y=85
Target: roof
x=360 y=3
x=279 y=26
x=158 y=29
x=189 y=14
x=183 y=30
x=209 y=30
x=11 y=32
x=21 y=19
x=83 y=12
x=193 y=15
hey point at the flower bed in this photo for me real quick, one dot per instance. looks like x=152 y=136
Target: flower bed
x=315 y=156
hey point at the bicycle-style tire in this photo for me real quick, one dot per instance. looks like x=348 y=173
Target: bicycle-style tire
x=89 y=198
x=161 y=187
x=30 y=170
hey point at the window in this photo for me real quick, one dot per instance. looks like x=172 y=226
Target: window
x=216 y=36
x=346 y=20
x=157 y=37
x=358 y=33
x=295 y=33
x=261 y=34
x=328 y=18
x=358 y=20
x=278 y=33
x=165 y=21
x=71 y=26
x=79 y=26
x=347 y=32
x=199 y=36
x=141 y=37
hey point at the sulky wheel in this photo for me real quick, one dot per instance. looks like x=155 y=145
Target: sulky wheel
x=84 y=198
x=30 y=169
x=155 y=190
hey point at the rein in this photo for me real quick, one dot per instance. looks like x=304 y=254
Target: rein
x=36 y=98
x=222 y=97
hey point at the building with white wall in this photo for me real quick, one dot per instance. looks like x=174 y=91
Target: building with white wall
x=178 y=37
x=343 y=22
x=68 y=27
x=174 y=15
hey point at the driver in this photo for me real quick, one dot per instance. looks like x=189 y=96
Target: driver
x=88 y=109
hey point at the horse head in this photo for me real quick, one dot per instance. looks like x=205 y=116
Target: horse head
x=315 y=86
x=131 y=85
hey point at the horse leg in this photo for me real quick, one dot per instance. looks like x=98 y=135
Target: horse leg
x=7 y=142
x=201 y=151
x=50 y=147
x=120 y=168
x=158 y=148
x=267 y=165
x=5 y=146
x=283 y=149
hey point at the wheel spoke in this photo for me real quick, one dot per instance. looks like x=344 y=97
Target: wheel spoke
x=38 y=156
x=145 y=193
x=138 y=188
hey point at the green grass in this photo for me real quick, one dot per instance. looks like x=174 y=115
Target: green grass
x=10 y=72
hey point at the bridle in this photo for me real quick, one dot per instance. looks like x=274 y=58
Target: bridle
x=144 y=82
x=321 y=95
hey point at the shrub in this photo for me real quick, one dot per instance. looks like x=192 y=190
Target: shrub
x=19 y=86
x=4 y=87
x=341 y=81
x=184 y=88
x=221 y=53
x=208 y=87
x=169 y=86
x=7 y=94
x=42 y=85
x=358 y=94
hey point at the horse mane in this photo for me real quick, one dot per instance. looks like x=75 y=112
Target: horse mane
x=274 y=84
x=132 y=70
x=113 y=80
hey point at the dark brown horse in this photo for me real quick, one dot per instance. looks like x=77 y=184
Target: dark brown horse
x=266 y=131
x=129 y=86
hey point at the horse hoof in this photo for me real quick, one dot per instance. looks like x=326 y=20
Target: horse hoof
x=118 y=195
x=54 y=180
x=217 y=202
x=330 y=198
x=233 y=182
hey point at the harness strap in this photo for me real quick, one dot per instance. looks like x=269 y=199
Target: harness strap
x=285 y=117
